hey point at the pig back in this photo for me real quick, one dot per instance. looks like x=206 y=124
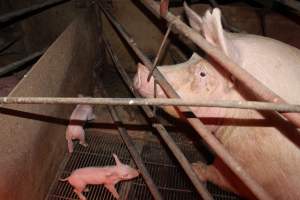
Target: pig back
x=274 y=63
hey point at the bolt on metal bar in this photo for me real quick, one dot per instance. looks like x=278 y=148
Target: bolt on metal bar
x=161 y=129
x=133 y=151
x=207 y=136
x=25 y=12
x=254 y=85
x=152 y=101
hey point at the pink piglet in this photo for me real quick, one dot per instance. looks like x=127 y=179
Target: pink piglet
x=108 y=176
x=79 y=116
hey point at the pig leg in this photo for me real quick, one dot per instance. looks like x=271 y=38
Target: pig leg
x=70 y=145
x=113 y=190
x=79 y=193
x=212 y=174
x=82 y=138
x=91 y=117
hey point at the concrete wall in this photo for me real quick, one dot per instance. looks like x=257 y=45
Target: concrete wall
x=32 y=137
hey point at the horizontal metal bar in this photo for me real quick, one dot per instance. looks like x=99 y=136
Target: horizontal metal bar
x=25 y=12
x=261 y=91
x=16 y=65
x=256 y=105
x=207 y=136
x=161 y=130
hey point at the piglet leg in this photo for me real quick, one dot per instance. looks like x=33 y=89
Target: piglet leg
x=80 y=195
x=70 y=145
x=91 y=117
x=113 y=190
x=82 y=138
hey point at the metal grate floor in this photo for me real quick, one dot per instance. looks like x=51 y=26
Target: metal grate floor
x=165 y=171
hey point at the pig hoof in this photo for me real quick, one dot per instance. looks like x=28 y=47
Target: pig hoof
x=86 y=190
x=85 y=144
x=200 y=169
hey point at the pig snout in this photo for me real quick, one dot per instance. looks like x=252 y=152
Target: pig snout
x=140 y=83
x=145 y=87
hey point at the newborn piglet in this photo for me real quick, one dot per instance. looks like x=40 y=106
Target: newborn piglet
x=79 y=116
x=108 y=176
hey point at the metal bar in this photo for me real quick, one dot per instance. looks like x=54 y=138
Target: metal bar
x=164 y=7
x=291 y=3
x=26 y=12
x=207 y=136
x=16 y=65
x=254 y=85
x=256 y=105
x=161 y=130
x=133 y=151
x=8 y=44
x=159 y=51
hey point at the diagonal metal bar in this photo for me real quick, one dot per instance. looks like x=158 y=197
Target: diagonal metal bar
x=133 y=151
x=161 y=130
x=261 y=91
x=159 y=51
x=25 y=12
x=207 y=136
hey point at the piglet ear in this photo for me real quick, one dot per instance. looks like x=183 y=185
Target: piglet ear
x=118 y=162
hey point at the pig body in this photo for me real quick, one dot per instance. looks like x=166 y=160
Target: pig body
x=79 y=116
x=108 y=176
x=265 y=145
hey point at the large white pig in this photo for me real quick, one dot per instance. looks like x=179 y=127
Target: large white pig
x=266 y=145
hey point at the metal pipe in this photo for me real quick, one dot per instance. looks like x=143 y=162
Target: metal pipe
x=164 y=7
x=16 y=65
x=161 y=130
x=162 y=46
x=291 y=3
x=133 y=151
x=207 y=136
x=26 y=12
x=256 y=105
x=254 y=85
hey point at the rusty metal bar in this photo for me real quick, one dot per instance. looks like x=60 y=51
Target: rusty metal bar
x=291 y=3
x=161 y=130
x=162 y=46
x=133 y=151
x=164 y=7
x=25 y=12
x=254 y=85
x=207 y=136
x=152 y=101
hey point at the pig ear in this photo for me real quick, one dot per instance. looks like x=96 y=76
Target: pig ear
x=210 y=25
x=194 y=19
x=118 y=162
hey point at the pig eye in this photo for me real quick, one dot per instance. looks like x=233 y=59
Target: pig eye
x=202 y=74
